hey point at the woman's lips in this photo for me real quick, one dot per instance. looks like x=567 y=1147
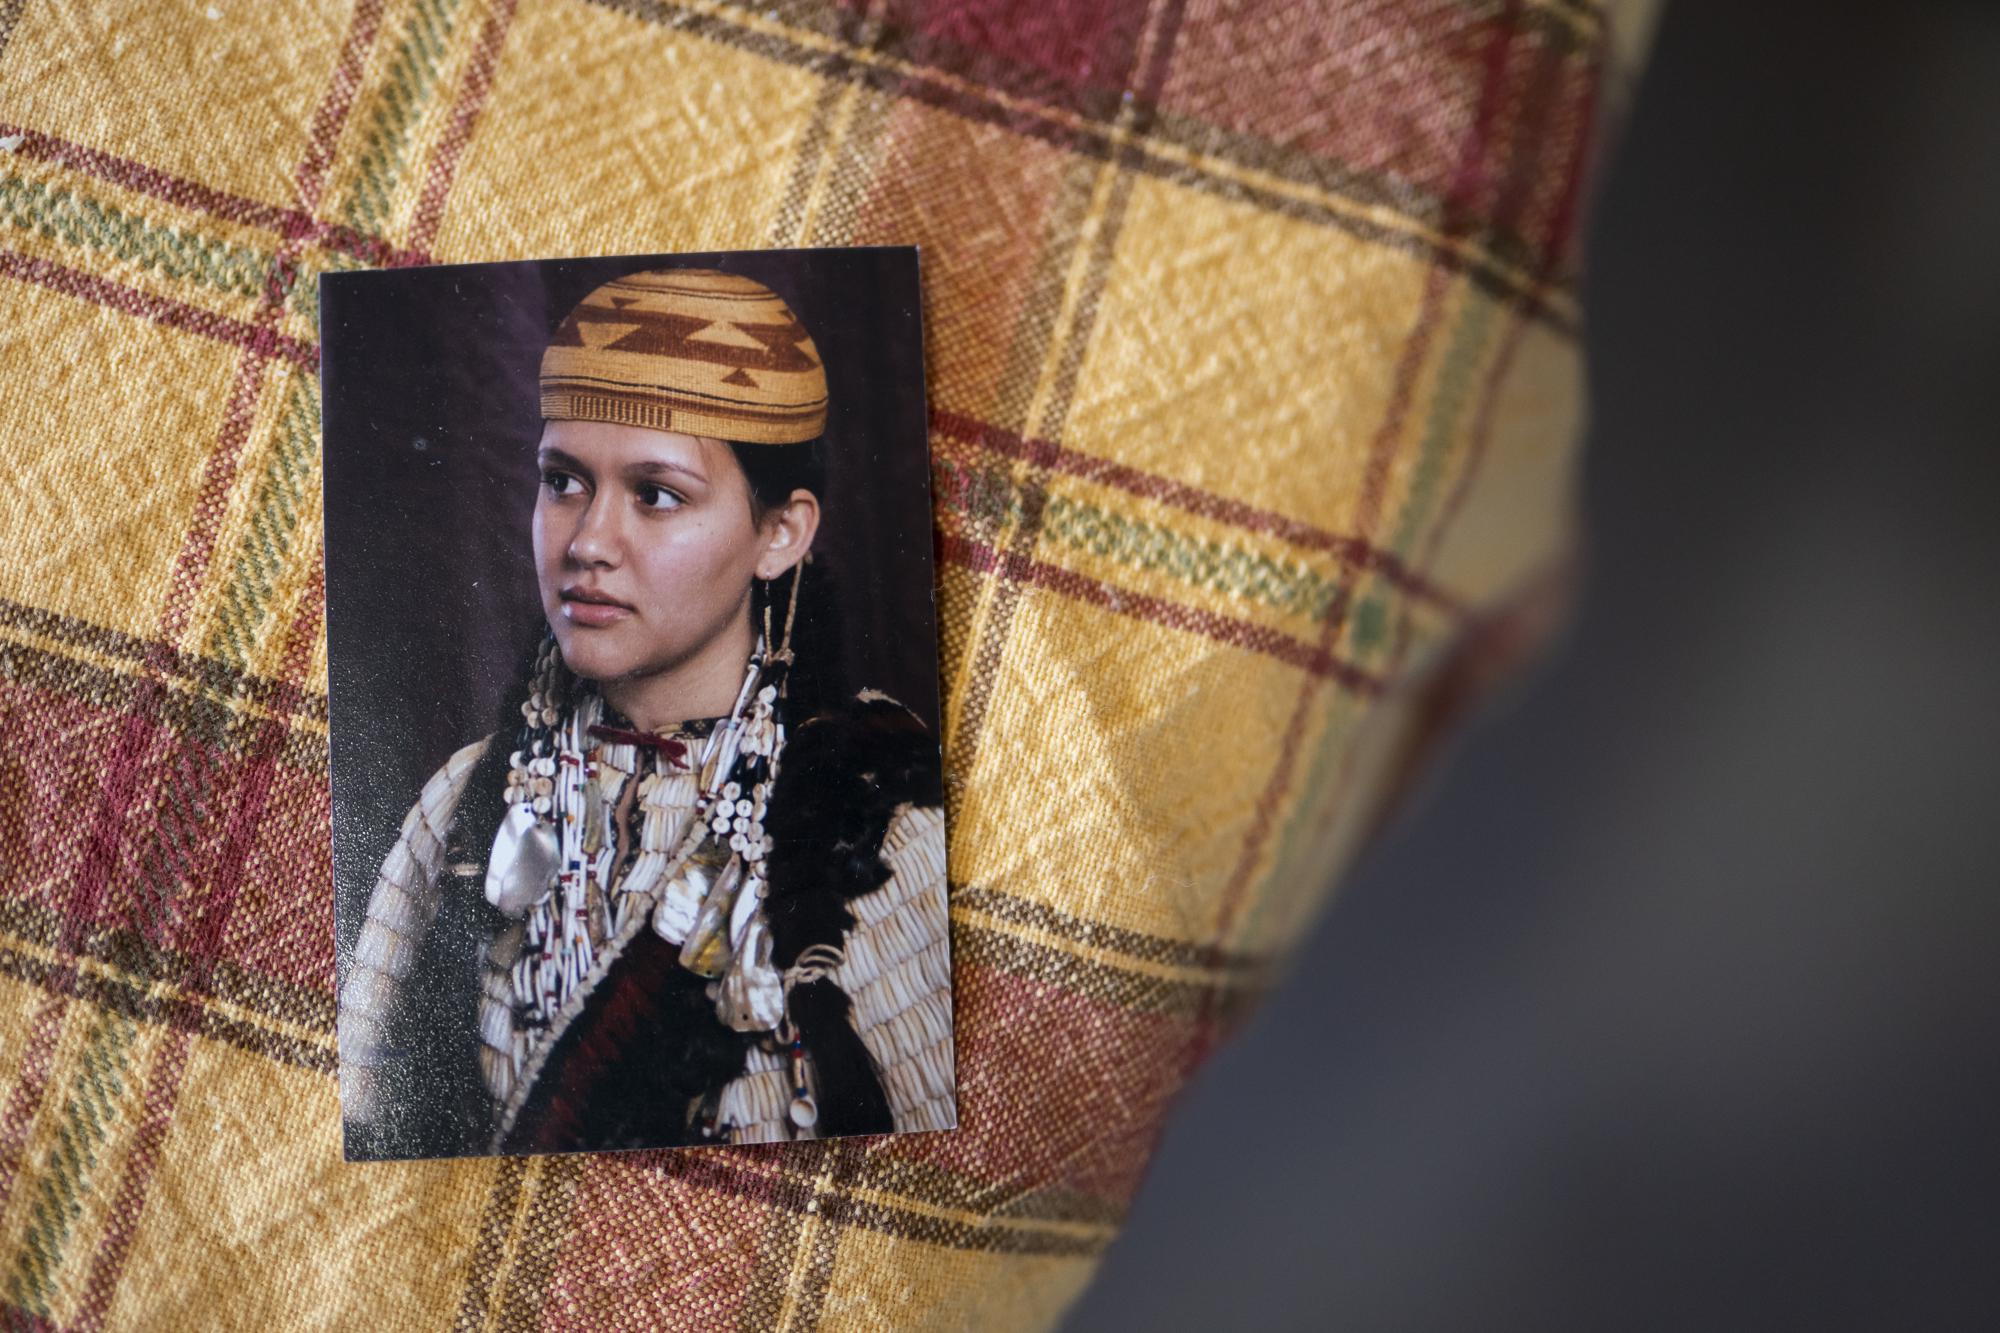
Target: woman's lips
x=593 y=615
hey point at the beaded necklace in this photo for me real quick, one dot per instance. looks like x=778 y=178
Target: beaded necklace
x=699 y=867
x=697 y=875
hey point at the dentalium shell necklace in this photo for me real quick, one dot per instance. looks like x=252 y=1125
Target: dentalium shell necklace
x=699 y=867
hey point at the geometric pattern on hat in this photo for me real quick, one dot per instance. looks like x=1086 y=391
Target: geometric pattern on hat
x=690 y=350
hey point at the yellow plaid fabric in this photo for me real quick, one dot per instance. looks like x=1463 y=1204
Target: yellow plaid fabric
x=1254 y=372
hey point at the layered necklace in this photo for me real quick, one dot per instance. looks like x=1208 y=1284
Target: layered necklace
x=697 y=873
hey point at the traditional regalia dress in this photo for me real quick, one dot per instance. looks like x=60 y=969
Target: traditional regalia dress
x=587 y=937
x=768 y=961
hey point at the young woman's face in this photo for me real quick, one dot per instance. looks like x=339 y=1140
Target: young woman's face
x=644 y=546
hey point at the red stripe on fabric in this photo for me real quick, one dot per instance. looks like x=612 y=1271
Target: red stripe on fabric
x=65 y=771
x=137 y=871
x=1066 y=52
x=142 y=179
x=625 y=1270
x=53 y=771
x=280 y=927
x=264 y=342
x=163 y=1090
x=1354 y=552
x=31 y=1081
x=464 y=118
x=1085 y=1122
x=1421 y=57
x=190 y=566
x=324 y=135
x=124 y=768
x=246 y=812
x=1316 y=661
x=139 y=178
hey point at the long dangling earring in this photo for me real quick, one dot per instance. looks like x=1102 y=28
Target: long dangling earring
x=783 y=651
x=764 y=600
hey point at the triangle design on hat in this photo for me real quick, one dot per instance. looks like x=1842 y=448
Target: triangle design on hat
x=728 y=334
x=602 y=333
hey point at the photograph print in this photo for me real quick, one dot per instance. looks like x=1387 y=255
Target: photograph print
x=639 y=836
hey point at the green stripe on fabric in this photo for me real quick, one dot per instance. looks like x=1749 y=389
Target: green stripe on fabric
x=990 y=496
x=236 y=270
x=86 y=1122
x=1457 y=382
x=169 y=251
x=304 y=296
x=412 y=78
x=274 y=514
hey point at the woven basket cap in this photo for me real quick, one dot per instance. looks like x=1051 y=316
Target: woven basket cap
x=690 y=350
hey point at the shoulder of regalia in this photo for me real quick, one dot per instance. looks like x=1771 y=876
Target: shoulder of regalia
x=401 y=907
x=895 y=966
x=844 y=778
x=858 y=899
x=871 y=750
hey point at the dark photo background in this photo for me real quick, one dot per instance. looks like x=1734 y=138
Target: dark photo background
x=1676 y=1005
x=430 y=384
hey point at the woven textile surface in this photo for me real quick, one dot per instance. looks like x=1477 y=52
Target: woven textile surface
x=1254 y=375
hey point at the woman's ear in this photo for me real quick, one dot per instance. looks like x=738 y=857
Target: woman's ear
x=788 y=534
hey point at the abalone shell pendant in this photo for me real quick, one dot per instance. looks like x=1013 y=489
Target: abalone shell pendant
x=523 y=862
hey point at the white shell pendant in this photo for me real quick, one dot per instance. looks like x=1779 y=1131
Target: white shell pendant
x=523 y=862
x=804 y=1112
x=674 y=917
x=751 y=995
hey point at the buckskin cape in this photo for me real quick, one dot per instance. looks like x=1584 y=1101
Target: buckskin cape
x=1254 y=368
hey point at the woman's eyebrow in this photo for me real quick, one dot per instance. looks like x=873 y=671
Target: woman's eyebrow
x=654 y=467
x=548 y=454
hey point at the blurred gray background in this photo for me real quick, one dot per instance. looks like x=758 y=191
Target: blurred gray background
x=1674 y=1003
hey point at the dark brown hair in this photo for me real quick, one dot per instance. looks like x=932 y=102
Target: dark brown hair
x=774 y=471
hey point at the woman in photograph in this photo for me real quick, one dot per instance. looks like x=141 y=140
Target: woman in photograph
x=673 y=899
